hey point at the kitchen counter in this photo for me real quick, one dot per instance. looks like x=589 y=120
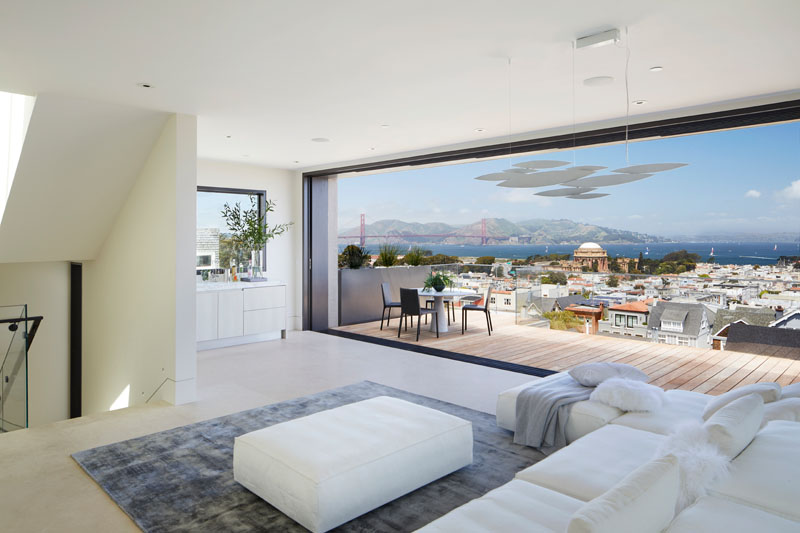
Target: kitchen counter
x=233 y=285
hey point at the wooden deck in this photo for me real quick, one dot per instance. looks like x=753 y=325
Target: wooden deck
x=671 y=367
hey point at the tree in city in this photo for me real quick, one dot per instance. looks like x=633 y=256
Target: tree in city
x=485 y=260
x=612 y=281
x=554 y=278
x=711 y=259
x=640 y=262
x=563 y=320
x=440 y=259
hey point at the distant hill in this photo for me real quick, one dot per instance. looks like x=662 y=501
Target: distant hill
x=741 y=237
x=500 y=231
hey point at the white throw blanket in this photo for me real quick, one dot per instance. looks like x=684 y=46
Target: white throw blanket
x=543 y=410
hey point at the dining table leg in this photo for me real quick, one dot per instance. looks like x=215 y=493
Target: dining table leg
x=441 y=317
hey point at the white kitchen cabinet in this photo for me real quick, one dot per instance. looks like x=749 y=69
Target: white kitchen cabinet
x=207 y=311
x=238 y=313
x=231 y=321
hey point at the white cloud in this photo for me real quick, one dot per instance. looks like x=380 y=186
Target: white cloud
x=752 y=193
x=520 y=196
x=635 y=217
x=792 y=192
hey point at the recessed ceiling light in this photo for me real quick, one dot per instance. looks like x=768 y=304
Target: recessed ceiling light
x=372 y=148
x=144 y=85
x=385 y=126
x=480 y=130
x=245 y=155
x=656 y=69
x=320 y=139
x=639 y=102
x=297 y=161
x=227 y=136
x=598 y=81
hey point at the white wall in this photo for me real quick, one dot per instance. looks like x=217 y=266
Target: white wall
x=45 y=288
x=138 y=294
x=284 y=187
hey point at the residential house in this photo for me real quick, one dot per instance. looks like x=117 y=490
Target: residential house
x=744 y=315
x=778 y=342
x=678 y=323
x=789 y=320
x=628 y=319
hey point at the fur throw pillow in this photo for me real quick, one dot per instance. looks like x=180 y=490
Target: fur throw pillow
x=700 y=462
x=629 y=395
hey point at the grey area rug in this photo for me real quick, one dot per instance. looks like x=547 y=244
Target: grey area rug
x=182 y=479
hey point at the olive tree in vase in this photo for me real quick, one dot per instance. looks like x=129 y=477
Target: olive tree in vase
x=250 y=232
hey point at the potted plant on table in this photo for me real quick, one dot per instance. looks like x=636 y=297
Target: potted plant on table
x=250 y=232
x=438 y=281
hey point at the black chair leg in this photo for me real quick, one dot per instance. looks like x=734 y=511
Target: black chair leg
x=447 y=312
x=382 y=313
x=462 y=320
x=388 y=317
x=400 y=325
x=488 y=323
x=491 y=324
x=418 y=323
x=436 y=318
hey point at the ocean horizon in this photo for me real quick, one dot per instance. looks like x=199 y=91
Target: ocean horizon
x=725 y=253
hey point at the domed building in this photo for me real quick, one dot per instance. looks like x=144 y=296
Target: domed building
x=590 y=253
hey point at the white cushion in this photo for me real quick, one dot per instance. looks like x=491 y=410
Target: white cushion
x=593 y=374
x=769 y=392
x=788 y=409
x=767 y=473
x=515 y=506
x=791 y=391
x=734 y=426
x=585 y=416
x=593 y=464
x=643 y=502
x=629 y=395
x=717 y=514
x=330 y=467
x=679 y=406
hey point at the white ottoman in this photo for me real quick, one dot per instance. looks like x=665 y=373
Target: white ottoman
x=330 y=467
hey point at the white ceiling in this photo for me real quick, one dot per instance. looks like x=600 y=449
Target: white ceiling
x=273 y=75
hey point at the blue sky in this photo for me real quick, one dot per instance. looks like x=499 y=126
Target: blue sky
x=745 y=180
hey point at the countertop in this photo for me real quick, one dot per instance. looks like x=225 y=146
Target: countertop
x=233 y=285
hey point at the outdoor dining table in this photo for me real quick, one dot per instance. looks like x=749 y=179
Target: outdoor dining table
x=438 y=304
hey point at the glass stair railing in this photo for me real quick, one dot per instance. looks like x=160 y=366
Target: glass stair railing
x=17 y=331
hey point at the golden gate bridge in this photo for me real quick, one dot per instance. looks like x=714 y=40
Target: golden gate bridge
x=362 y=237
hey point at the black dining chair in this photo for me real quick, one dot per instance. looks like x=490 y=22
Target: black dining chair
x=386 y=294
x=483 y=308
x=409 y=306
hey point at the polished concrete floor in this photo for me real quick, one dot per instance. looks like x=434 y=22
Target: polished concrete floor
x=43 y=489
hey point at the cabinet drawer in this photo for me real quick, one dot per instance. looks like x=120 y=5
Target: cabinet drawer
x=264 y=298
x=264 y=320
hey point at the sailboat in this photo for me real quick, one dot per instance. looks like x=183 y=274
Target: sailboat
x=647 y=251
x=775 y=249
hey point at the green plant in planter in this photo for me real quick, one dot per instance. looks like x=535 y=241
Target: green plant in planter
x=354 y=256
x=438 y=281
x=249 y=229
x=387 y=255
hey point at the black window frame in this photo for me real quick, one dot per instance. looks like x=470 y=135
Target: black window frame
x=262 y=207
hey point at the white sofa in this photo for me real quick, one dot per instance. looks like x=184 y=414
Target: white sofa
x=762 y=492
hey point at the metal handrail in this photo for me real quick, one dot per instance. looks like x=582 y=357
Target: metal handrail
x=31 y=332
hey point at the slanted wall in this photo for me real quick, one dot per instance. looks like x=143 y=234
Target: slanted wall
x=139 y=292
